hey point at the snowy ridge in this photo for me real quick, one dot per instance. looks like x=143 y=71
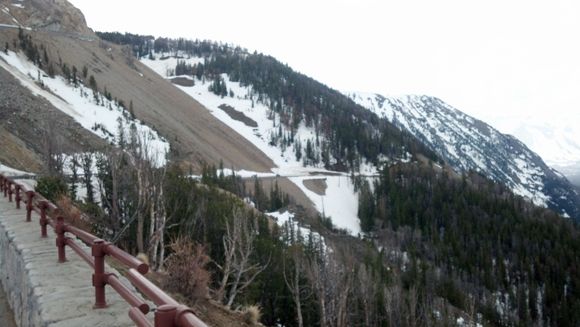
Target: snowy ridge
x=261 y=126
x=469 y=144
x=93 y=111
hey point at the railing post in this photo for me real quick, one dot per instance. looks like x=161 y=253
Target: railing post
x=17 y=197
x=60 y=239
x=9 y=191
x=165 y=315
x=30 y=196
x=99 y=277
x=43 y=205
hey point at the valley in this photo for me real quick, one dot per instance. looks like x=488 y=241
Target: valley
x=262 y=196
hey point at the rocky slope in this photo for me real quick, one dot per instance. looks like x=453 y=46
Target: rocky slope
x=194 y=134
x=27 y=122
x=470 y=144
x=46 y=15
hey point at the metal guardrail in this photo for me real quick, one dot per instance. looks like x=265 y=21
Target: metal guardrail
x=169 y=313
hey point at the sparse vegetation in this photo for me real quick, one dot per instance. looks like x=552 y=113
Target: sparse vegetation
x=51 y=187
x=187 y=270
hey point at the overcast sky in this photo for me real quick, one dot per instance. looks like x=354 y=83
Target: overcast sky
x=488 y=58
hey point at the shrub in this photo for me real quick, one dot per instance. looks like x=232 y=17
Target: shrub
x=71 y=214
x=186 y=269
x=252 y=315
x=51 y=187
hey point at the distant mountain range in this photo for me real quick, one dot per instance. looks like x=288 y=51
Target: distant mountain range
x=556 y=140
x=466 y=143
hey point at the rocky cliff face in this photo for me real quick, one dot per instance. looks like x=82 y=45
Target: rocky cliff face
x=470 y=144
x=47 y=15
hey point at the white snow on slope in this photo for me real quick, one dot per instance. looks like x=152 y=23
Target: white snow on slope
x=78 y=102
x=340 y=202
x=245 y=101
x=465 y=142
x=286 y=220
x=9 y=171
x=165 y=65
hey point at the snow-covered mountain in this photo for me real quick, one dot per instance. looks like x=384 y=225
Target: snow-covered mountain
x=556 y=138
x=467 y=143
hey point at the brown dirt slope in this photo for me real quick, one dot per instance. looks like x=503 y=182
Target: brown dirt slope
x=195 y=135
x=28 y=121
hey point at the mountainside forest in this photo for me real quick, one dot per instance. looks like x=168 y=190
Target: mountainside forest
x=437 y=248
x=446 y=241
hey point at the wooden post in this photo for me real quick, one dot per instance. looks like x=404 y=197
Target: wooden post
x=43 y=205
x=99 y=277
x=60 y=239
x=30 y=197
x=17 y=197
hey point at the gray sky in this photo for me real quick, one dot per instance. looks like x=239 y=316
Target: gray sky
x=488 y=58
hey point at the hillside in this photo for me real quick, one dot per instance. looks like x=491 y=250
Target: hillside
x=194 y=134
x=470 y=144
x=245 y=182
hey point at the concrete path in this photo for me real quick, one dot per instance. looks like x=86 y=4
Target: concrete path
x=43 y=292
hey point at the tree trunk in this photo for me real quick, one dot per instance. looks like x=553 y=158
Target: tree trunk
x=140 y=218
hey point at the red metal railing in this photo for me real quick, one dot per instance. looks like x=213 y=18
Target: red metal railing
x=169 y=313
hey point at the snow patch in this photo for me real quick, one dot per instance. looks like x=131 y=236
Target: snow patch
x=286 y=220
x=10 y=172
x=340 y=202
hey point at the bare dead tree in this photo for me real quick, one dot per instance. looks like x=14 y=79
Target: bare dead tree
x=158 y=220
x=294 y=271
x=136 y=194
x=413 y=313
x=332 y=279
x=53 y=150
x=238 y=270
x=392 y=296
x=74 y=165
x=229 y=242
x=366 y=290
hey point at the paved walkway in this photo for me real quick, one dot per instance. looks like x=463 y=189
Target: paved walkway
x=44 y=292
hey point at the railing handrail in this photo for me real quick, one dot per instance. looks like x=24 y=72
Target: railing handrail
x=169 y=312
